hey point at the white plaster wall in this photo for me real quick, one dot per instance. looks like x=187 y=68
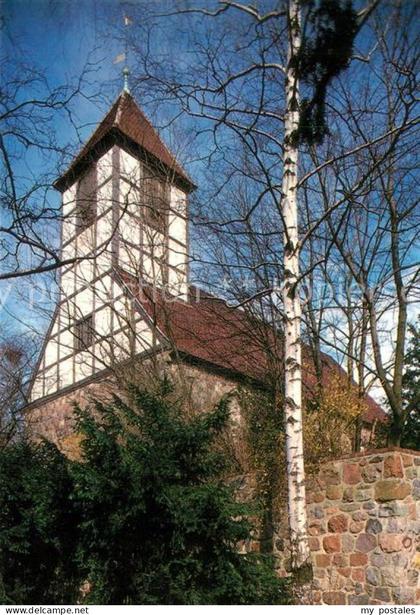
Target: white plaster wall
x=68 y=229
x=130 y=167
x=177 y=215
x=103 y=290
x=103 y=320
x=67 y=283
x=121 y=345
x=83 y=365
x=66 y=372
x=51 y=383
x=129 y=229
x=69 y=250
x=51 y=352
x=86 y=241
x=69 y=200
x=103 y=241
x=129 y=258
x=177 y=255
x=83 y=303
x=85 y=272
x=104 y=197
x=121 y=305
x=103 y=354
x=177 y=281
x=66 y=343
x=144 y=336
x=154 y=243
x=104 y=166
x=130 y=196
x=152 y=270
x=177 y=244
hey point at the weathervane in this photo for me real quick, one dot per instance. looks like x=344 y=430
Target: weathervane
x=123 y=57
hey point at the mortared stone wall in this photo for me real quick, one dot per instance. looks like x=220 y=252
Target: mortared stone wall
x=364 y=529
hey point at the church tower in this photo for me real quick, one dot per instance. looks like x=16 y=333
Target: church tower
x=124 y=213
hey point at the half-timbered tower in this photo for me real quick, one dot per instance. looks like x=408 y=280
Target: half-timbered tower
x=124 y=205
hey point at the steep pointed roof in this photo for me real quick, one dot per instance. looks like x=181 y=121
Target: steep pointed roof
x=126 y=125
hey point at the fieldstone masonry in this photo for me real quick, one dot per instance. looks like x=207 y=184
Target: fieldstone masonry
x=53 y=418
x=364 y=525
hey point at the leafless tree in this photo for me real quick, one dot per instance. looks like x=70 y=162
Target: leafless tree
x=17 y=355
x=236 y=88
x=32 y=156
x=244 y=84
x=375 y=227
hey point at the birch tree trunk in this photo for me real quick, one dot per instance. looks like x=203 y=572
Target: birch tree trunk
x=291 y=305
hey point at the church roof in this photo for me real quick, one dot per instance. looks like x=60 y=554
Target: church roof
x=207 y=329
x=126 y=125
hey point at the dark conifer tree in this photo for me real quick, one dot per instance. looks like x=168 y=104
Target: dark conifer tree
x=328 y=34
x=160 y=525
x=411 y=390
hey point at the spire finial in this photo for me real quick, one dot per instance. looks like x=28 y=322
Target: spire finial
x=123 y=57
x=126 y=74
x=126 y=71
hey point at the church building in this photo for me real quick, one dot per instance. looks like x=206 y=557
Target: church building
x=125 y=298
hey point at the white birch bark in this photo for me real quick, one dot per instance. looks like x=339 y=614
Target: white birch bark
x=292 y=307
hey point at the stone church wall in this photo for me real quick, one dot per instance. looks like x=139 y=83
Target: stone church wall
x=53 y=418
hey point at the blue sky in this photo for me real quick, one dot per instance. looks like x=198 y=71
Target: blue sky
x=59 y=37
x=55 y=38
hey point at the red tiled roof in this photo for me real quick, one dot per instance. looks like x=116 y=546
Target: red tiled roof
x=207 y=329
x=374 y=411
x=125 y=120
x=211 y=331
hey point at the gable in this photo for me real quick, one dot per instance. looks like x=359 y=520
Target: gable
x=116 y=333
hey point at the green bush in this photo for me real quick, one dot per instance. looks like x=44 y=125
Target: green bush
x=411 y=390
x=144 y=517
x=37 y=526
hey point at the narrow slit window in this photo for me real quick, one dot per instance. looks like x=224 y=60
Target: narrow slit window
x=86 y=200
x=156 y=203
x=83 y=333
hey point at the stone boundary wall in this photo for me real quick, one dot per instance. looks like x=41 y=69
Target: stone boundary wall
x=364 y=529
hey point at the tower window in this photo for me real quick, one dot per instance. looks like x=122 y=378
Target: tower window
x=83 y=333
x=86 y=200
x=156 y=203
